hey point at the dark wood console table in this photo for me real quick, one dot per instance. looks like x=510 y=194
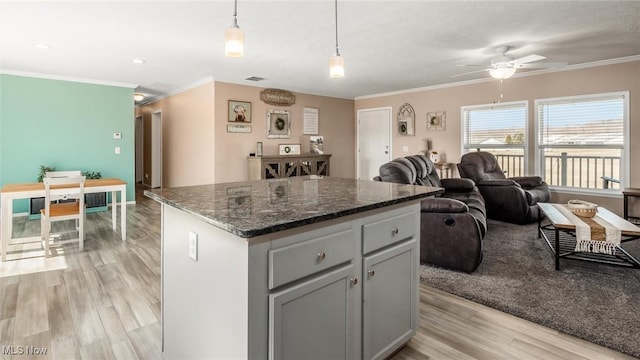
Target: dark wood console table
x=281 y=166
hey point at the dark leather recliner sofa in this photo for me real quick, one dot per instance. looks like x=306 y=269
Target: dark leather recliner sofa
x=513 y=199
x=453 y=224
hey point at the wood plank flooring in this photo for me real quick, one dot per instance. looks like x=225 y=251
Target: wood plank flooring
x=104 y=303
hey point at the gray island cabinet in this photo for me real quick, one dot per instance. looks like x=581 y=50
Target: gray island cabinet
x=296 y=268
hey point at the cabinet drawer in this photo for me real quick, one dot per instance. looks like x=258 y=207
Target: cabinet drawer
x=385 y=232
x=301 y=259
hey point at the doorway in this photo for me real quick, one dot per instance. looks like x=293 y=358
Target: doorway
x=156 y=149
x=139 y=146
x=374 y=141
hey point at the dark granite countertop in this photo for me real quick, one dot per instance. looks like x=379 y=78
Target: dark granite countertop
x=254 y=208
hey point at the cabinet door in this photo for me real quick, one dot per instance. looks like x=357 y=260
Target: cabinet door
x=390 y=296
x=315 y=319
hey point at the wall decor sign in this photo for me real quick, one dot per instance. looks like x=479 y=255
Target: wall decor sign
x=278 y=124
x=406 y=120
x=436 y=120
x=310 y=121
x=233 y=128
x=239 y=111
x=277 y=97
x=289 y=149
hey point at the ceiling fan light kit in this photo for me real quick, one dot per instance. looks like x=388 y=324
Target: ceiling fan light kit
x=503 y=66
x=234 y=37
x=502 y=72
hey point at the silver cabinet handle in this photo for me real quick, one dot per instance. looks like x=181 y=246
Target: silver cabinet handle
x=322 y=256
x=371 y=273
x=394 y=231
x=354 y=281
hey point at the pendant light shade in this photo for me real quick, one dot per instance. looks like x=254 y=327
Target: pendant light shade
x=502 y=72
x=336 y=66
x=234 y=37
x=336 y=63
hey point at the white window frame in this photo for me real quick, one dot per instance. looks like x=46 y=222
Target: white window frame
x=624 y=162
x=526 y=142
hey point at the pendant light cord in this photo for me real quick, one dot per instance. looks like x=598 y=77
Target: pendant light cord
x=235 y=13
x=336 y=10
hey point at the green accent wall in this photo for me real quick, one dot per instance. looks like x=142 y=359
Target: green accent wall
x=67 y=125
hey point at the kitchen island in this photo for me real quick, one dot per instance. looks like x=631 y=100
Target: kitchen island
x=290 y=268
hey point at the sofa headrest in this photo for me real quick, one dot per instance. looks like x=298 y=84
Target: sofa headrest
x=479 y=166
x=398 y=172
x=426 y=173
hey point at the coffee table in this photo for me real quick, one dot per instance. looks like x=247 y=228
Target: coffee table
x=563 y=233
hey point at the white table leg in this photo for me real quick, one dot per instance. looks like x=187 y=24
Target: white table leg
x=123 y=213
x=7 y=224
x=114 y=210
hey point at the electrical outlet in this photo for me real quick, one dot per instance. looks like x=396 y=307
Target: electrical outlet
x=193 y=246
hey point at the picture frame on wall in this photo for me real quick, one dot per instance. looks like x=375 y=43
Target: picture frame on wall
x=239 y=111
x=437 y=121
x=278 y=124
x=289 y=149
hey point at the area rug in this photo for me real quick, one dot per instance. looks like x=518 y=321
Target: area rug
x=596 y=302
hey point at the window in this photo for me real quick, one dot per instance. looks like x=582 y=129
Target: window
x=581 y=141
x=500 y=129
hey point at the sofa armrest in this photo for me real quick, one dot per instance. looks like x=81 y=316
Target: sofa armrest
x=528 y=182
x=498 y=182
x=458 y=184
x=443 y=205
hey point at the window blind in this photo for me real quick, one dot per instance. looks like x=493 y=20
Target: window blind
x=495 y=126
x=590 y=121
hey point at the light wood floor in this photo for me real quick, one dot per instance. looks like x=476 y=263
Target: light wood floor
x=104 y=303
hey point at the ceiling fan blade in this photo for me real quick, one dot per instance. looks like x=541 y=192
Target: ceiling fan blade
x=483 y=65
x=528 y=59
x=542 y=65
x=470 y=72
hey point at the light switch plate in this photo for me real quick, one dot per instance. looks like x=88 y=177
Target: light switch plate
x=117 y=150
x=193 y=246
x=405 y=149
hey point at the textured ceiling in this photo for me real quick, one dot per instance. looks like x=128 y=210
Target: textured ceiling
x=387 y=45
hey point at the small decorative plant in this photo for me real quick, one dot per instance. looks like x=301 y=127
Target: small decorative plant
x=88 y=174
x=43 y=171
x=92 y=174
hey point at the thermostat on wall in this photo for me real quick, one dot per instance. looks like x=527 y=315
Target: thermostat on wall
x=117 y=136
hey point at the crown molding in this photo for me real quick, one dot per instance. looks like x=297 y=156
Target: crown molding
x=177 y=91
x=517 y=75
x=66 y=78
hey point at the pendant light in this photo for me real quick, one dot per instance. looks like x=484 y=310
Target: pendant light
x=336 y=63
x=234 y=37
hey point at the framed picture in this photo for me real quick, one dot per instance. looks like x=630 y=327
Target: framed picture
x=436 y=121
x=239 y=111
x=406 y=120
x=289 y=149
x=278 y=124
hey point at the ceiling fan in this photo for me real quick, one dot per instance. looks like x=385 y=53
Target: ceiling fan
x=503 y=66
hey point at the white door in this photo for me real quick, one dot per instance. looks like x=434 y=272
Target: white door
x=156 y=149
x=374 y=141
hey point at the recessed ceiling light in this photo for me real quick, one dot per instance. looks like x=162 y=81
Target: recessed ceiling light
x=42 y=46
x=138 y=61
